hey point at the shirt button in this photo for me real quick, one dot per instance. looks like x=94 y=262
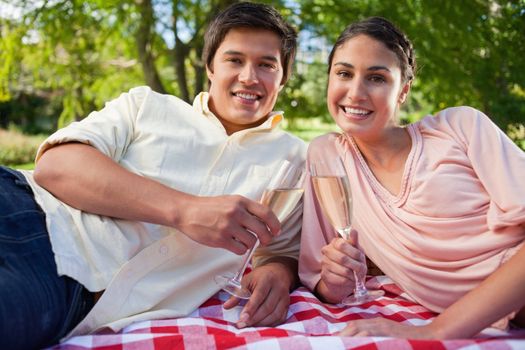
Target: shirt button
x=164 y=249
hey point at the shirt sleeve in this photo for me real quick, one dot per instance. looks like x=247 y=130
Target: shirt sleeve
x=109 y=130
x=498 y=163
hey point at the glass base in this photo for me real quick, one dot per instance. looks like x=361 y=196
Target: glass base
x=354 y=300
x=230 y=285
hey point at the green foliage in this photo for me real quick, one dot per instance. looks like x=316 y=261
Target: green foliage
x=469 y=52
x=309 y=128
x=16 y=148
x=66 y=58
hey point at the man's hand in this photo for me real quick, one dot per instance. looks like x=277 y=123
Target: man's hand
x=231 y=222
x=340 y=260
x=270 y=285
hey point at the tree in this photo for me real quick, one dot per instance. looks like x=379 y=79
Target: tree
x=85 y=51
x=78 y=54
x=469 y=52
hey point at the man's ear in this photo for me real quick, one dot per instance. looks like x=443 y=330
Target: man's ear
x=404 y=92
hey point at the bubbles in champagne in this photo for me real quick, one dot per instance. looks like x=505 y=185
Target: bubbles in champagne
x=333 y=194
x=282 y=201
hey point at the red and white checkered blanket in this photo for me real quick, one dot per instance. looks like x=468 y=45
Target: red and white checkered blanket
x=310 y=325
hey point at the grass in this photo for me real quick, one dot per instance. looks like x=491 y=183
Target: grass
x=17 y=149
x=309 y=128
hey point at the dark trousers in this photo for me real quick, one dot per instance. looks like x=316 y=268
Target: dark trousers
x=37 y=307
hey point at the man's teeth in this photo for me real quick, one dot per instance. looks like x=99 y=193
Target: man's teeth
x=247 y=96
x=355 y=111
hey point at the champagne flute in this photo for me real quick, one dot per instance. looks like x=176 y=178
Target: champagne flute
x=282 y=198
x=332 y=191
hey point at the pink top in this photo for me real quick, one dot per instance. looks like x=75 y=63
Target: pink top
x=459 y=214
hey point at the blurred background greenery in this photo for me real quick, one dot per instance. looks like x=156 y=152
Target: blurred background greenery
x=59 y=60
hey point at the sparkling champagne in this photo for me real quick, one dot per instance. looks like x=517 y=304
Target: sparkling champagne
x=282 y=201
x=333 y=193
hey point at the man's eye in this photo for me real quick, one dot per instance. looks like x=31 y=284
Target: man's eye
x=268 y=65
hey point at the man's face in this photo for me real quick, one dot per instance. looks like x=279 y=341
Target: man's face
x=245 y=76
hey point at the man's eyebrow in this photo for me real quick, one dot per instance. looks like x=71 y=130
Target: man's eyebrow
x=233 y=52
x=238 y=53
x=372 y=68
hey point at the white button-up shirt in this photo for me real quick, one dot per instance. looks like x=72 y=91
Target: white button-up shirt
x=153 y=271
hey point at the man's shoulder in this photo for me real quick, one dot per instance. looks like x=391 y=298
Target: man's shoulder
x=145 y=92
x=289 y=138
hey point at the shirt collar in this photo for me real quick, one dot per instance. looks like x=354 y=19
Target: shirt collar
x=200 y=103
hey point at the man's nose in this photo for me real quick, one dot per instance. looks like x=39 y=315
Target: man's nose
x=248 y=75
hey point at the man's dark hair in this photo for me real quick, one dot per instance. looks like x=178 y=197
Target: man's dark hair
x=252 y=16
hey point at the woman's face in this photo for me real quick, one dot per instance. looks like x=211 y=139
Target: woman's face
x=365 y=87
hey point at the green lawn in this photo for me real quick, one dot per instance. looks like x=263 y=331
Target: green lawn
x=310 y=128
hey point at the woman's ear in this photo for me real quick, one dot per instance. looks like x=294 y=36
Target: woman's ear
x=209 y=72
x=404 y=92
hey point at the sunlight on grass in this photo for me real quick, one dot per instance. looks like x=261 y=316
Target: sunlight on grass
x=17 y=148
x=309 y=128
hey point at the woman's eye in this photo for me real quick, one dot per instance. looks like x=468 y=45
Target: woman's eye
x=343 y=74
x=377 y=79
x=233 y=60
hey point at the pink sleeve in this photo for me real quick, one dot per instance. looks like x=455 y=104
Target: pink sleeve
x=498 y=163
x=316 y=231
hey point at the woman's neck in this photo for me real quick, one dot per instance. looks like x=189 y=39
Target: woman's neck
x=387 y=152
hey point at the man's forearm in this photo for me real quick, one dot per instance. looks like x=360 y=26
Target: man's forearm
x=81 y=176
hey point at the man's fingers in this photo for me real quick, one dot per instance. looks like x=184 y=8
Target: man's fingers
x=250 y=313
x=263 y=222
x=236 y=246
x=276 y=316
x=244 y=237
x=231 y=302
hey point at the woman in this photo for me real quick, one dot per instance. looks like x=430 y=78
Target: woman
x=439 y=205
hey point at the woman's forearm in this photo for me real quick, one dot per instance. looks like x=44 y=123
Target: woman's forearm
x=500 y=294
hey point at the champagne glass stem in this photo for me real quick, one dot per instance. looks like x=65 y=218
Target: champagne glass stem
x=238 y=276
x=359 y=289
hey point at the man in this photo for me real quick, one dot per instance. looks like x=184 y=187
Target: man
x=140 y=197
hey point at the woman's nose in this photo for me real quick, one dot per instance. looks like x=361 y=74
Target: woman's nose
x=356 y=90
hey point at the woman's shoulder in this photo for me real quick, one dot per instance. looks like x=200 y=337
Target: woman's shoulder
x=326 y=142
x=462 y=121
x=462 y=117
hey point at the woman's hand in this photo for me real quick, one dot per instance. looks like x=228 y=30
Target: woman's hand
x=340 y=260
x=387 y=328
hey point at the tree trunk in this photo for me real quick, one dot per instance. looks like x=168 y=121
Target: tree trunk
x=180 y=52
x=144 y=38
x=198 y=66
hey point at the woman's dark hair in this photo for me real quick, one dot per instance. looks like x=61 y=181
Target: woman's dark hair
x=254 y=16
x=386 y=32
